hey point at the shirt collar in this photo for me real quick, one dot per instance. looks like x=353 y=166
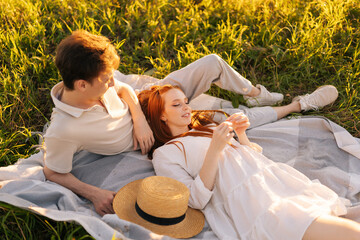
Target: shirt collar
x=56 y=92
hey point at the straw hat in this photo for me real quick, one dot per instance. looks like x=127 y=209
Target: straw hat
x=159 y=204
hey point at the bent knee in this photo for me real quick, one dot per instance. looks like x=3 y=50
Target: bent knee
x=212 y=57
x=332 y=228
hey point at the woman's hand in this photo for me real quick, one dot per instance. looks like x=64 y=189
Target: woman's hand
x=143 y=136
x=240 y=122
x=221 y=136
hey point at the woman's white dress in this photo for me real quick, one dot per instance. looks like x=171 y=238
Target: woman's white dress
x=254 y=197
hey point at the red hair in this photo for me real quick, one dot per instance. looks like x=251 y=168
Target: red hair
x=153 y=106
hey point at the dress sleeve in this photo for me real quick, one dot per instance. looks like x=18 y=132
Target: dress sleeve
x=59 y=154
x=169 y=161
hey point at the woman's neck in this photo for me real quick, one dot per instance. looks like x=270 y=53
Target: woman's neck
x=179 y=130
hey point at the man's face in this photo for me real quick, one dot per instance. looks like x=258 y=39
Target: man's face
x=102 y=83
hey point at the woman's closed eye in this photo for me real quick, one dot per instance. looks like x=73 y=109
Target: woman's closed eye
x=179 y=104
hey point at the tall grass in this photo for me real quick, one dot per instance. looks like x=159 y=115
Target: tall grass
x=289 y=46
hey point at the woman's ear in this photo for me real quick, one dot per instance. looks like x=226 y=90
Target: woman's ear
x=162 y=118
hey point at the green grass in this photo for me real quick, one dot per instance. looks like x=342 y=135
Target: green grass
x=19 y=224
x=289 y=46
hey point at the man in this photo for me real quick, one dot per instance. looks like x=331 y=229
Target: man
x=97 y=113
x=92 y=113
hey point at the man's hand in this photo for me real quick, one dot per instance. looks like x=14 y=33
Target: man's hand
x=102 y=200
x=143 y=136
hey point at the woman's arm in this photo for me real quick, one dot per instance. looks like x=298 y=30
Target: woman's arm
x=142 y=132
x=170 y=161
x=221 y=136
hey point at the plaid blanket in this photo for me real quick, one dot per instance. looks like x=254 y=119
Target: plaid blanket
x=315 y=146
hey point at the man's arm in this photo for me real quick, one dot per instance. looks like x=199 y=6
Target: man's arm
x=142 y=132
x=101 y=198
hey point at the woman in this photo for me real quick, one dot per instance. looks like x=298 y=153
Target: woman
x=241 y=192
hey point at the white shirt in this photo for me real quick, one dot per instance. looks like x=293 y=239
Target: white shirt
x=97 y=129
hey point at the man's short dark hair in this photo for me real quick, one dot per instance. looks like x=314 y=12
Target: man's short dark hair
x=83 y=55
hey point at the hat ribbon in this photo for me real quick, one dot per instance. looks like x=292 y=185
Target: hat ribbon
x=158 y=220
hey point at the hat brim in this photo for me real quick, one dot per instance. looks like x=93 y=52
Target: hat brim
x=124 y=207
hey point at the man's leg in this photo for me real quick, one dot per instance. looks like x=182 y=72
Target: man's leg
x=263 y=115
x=283 y=111
x=321 y=97
x=198 y=76
x=257 y=115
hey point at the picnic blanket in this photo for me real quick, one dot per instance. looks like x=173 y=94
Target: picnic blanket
x=315 y=146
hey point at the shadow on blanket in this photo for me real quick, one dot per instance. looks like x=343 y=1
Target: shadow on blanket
x=315 y=146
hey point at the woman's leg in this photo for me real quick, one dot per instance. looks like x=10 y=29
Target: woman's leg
x=332 y=228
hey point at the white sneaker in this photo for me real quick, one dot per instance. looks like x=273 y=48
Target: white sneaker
x=321 y=97
x=265 y=98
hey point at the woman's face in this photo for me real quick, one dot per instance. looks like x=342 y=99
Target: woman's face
x=177 y=112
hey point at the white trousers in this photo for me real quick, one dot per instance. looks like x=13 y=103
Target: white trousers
x=197 y=77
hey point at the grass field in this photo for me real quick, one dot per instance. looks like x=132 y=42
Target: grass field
x=289 y=46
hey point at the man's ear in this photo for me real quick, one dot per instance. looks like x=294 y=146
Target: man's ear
x=80 y=85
